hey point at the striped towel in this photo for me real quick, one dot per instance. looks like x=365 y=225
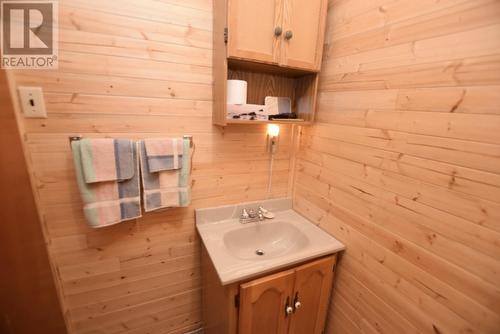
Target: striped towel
x=163 y=153
x=166 y=188
x=107 y=174
x=107 y=159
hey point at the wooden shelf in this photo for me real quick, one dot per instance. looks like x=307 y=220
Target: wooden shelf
x=301 y=90
x=245 y=65
x=244 y=121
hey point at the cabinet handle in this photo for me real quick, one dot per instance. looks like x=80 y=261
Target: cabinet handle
x=288 y=308
x=288 y=35
x=296 y=302
x=278 y=31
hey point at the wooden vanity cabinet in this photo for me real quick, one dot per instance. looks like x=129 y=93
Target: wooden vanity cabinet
x=312 y=289
x=288 y=33
x=294 y=300
x=263 y=302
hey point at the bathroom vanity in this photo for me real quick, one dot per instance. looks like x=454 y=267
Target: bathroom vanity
x=270 y=276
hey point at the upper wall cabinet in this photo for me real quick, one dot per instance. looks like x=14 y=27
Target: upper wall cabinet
x=287 y=33
x=251 y=30
x=276 y=47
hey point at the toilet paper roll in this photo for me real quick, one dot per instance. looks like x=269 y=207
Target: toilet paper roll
x=236 y=92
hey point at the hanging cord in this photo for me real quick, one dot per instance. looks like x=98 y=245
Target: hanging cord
x=271 y=163
x=192 y=155
x=273 y=148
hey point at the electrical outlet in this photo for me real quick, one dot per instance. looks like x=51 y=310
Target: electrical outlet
x=32 y=102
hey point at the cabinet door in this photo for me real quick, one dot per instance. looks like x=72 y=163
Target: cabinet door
x=263 y=302
x=313 y=284
x=251 y=29
x=303 y=33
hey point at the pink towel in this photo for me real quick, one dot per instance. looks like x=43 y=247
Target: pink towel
x=106 y=159
x=164 y=153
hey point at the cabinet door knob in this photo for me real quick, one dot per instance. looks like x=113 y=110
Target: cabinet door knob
x=288 y=308
x=278 y=31
x=288 y=34
x=296 y=302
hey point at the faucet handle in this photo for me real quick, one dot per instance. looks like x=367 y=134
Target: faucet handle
x=244 y=214
x=266 y=213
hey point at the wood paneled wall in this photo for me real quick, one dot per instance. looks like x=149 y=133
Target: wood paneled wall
x=137 y=69
x=403 y=165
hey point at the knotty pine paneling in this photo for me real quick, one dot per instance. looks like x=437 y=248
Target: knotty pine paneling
x=403 y=165
x=137 y=69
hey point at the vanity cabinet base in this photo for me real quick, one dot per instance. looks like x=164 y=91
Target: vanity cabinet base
x=290 y=301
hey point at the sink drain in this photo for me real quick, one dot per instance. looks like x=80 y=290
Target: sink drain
x=259 y=252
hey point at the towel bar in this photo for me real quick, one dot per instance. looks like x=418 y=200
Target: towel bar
x=190 y=137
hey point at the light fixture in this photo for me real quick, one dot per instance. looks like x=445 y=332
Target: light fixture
x=273 y=132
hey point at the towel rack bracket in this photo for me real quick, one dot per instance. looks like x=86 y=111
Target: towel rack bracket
x=190 y=137
x=73 y=138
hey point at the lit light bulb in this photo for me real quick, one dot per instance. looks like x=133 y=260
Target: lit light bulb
x=273 y=130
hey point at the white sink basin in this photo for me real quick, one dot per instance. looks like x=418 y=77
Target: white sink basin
x=258 y=241
x=241 y=251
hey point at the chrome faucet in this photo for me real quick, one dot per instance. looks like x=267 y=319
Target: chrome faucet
x=251 y=215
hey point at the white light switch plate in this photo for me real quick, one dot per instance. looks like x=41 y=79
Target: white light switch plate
x=32 y=102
